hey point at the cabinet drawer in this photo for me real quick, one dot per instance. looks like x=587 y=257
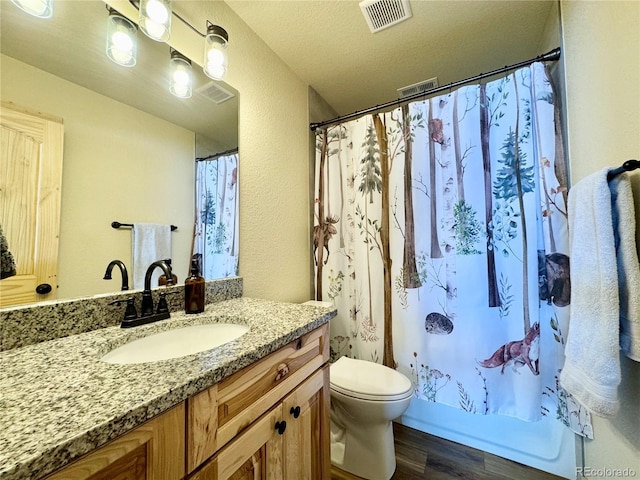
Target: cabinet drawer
x=219 y=413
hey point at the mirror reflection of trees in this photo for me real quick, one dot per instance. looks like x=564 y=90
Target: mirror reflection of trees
x=216 y=224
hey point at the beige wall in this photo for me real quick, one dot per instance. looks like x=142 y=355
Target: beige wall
x=119 y=164
x=601 y=42
x=274 y=170
x=274 y=155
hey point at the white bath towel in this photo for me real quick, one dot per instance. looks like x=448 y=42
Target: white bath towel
x=591 y=372
x=624 y=227
x=151 y=242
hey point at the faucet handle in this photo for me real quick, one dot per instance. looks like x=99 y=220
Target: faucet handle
x=130 y=312
x=162 y=302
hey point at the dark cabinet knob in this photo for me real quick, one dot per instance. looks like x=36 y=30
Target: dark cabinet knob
x=43 y=288
x=281 y=427
x=295 y=411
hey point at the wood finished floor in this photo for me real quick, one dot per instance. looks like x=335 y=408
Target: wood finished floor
x=420 y=456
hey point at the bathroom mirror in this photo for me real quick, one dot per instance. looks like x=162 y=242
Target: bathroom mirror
x=106 y=175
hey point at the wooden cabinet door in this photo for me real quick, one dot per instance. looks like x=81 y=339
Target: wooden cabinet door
x=30 y=180
x=153 y=451
x=220 y=413
x=307 y=438
x=256 y=454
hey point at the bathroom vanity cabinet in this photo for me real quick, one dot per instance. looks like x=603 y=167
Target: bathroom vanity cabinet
x=285 y=443
x=284 y=399
x=154 y=450
x=268 y=420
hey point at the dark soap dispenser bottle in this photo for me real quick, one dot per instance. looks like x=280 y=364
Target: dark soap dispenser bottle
x=194 y=289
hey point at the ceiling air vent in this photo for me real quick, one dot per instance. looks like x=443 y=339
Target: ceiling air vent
x=418 y=88
x=214 y=92
x=381 y=14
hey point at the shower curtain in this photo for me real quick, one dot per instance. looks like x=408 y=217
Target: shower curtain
x=441 y=237
x=217 y=216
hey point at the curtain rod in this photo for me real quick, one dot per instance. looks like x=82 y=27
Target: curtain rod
x=550 y=56
x=218 y=155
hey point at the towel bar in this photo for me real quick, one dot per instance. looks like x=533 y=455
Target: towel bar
x=626 y=167
x=130 y=225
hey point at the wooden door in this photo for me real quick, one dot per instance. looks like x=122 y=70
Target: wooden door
x=256 y=454
x=30 y=183
x=306 y=440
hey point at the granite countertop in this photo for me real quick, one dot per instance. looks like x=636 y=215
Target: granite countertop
x=58 y=401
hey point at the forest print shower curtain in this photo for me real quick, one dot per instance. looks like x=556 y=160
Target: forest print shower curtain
x=216 y=229
x=441 y=237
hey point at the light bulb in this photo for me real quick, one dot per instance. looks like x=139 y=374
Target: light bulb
x=121 y=40
x=217 y=72
x=182 y=91
x=37 y=8
x=181 y=79
x=155 y=19
x=154 y=30
x=157 y=11
x=215 y=64
x=215 y=57
x=215 y=53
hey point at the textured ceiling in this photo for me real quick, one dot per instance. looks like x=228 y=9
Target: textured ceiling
x=328 y=44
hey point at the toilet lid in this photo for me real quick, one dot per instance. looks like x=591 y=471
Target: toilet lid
x=368 y=380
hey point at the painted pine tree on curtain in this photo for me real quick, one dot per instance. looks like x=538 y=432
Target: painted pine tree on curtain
x=447 y=258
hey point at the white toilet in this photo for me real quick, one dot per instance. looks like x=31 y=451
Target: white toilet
x=365 y=398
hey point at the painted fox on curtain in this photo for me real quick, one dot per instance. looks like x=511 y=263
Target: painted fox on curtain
x=441 y=237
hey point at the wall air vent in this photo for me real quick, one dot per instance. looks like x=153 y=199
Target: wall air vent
x=381 y=14
x=214 y=92
x=417 y=88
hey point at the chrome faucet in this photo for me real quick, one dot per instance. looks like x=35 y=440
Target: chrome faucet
x=147 y=299
x=123 y=271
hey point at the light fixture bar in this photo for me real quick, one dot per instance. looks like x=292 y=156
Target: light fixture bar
x=189 y=25
x=155 y=21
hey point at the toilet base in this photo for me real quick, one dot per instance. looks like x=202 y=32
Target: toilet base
x=367 y=452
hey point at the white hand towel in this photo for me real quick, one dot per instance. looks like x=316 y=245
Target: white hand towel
x=591 y=372
x=624 y=223
x=151 y=242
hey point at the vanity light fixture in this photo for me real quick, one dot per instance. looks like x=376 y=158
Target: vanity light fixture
x=155 y=19
x=121 y=39
x=181 y=76
x=37 y=8
x=215 y=51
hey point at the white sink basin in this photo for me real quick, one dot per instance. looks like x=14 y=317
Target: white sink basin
x=175 y=343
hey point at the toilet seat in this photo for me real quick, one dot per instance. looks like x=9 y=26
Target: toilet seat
x=368 y=380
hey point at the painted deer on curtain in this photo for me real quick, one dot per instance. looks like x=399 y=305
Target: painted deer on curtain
x=322 y=234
